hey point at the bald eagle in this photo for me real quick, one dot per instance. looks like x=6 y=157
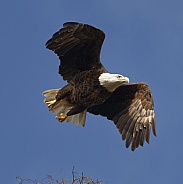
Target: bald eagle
x=91 y=88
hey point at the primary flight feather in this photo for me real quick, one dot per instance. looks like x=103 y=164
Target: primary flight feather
x=91 y=88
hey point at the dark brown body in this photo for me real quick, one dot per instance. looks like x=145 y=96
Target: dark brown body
x=86 y=82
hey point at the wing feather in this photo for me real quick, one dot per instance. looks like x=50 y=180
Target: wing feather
x=78 y=47
x=131 y=108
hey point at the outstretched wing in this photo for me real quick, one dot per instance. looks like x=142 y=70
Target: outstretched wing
x=131 y=107
x=78 y=47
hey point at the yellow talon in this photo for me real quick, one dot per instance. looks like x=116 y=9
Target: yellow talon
x=61 y=117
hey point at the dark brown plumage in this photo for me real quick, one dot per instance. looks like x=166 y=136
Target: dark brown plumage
x=130 y=107
x=78 y=47
x=92 y=89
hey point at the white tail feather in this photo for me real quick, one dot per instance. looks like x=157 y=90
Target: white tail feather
x=63 y=107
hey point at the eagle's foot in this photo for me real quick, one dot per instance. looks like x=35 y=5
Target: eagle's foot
x=61 y=117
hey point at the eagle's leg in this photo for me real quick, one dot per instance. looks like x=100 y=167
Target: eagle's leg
x=64 y=92
x=75 y=110
x=61 y=117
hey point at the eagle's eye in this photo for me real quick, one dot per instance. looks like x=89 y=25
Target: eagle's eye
x=119 y=76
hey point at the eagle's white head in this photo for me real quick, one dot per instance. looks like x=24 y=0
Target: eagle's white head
x=112 y=81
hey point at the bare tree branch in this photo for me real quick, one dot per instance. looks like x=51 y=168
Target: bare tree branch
x=53 y=179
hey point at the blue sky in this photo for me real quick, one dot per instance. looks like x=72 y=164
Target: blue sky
x=144 y=41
